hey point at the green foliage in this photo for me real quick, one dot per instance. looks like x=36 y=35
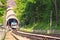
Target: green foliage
x=3 y=1
x=33 y=11
x=2 y=9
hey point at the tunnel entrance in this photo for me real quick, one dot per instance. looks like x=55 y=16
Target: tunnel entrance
x=11 y=20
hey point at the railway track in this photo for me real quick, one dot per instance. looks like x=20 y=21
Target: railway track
x=35 y=36
x=9 y=36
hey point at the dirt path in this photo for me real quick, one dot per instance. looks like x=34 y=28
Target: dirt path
x=9 y=36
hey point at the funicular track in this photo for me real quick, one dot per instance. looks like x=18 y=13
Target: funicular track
x=36 y=36
x=9 y=36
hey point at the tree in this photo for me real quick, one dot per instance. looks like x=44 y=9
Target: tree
x=56 y=9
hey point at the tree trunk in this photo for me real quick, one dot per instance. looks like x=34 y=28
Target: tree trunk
x=50 y=19
x=56 y=9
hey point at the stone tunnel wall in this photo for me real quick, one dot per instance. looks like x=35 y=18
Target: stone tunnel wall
x=10 y=14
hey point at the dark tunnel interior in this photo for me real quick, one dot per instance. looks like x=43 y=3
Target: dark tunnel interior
x=11 y=20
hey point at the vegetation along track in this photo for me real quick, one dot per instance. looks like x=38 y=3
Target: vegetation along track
x=36 y=36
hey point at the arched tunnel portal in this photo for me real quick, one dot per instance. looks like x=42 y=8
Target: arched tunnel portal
x=9 y=21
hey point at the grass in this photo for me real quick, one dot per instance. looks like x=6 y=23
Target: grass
x=36 y=26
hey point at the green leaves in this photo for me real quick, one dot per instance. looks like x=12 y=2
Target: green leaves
x=33 y=10
x=2 y=9
x=3 y=1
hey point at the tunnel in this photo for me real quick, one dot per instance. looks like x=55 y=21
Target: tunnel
x=11 y=20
